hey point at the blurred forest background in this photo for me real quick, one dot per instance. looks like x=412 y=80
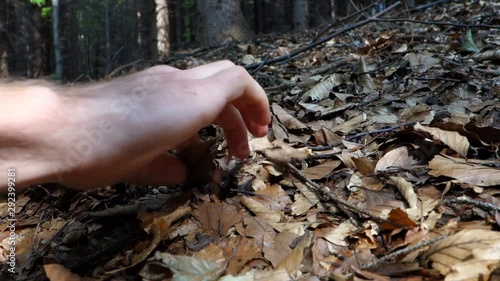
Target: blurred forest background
x=81 y=40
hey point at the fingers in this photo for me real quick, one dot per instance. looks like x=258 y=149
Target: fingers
x=163 y=170
x=231 y=121
x=240 y=89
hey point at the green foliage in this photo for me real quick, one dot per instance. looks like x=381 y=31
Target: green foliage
x=38 y=2
x=469 y=46
x=187 y=4
x=46 y=11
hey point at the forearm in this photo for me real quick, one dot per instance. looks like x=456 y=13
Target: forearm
x=28 y=114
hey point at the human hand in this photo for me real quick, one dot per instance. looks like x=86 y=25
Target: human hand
x=121 y=130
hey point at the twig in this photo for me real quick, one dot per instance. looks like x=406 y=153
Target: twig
x=260 y=66
x=328 y=147
x=428 y=5
x=438 y=23
x=403 y=251
x=484 y=71
x=325 y=192
x=118 y=69
x=346 y=18
x=324 y=39
x=330 y=66
x=324 y=156
x=467 y=200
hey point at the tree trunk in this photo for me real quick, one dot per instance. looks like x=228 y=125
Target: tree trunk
x=276 y=18
x=108 y=36
x=221 y=20
x=301 y=15
x=162 y=26
x=4 y=68
x=56 y=39
x=146 y=21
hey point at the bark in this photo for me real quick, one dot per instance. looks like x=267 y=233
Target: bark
x=222 y=21
x=56 y=39
x=145 y=36
x=301 y=15
x=162 y=25
x=4 y=69
x=69 y=32
x=108 y=36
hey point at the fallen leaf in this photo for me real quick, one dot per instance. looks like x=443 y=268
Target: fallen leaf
x=471 y=254
x=395 y=159
x=322 y=170
x=191 y=268
x=464 y=171
x=454 y=140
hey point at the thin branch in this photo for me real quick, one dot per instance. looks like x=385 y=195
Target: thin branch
x=477 y=203
x=428 y=5
x=403 y=251
x=438 y=23
x=324 y=39
x=325 y=192
x=328 y=147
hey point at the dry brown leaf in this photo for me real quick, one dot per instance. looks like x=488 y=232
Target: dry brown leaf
x=312 y=196
x=260 y=229
x=192 y=268
x=300 y=205
x=397 y=219
x=454 y=140
x=376 y=201
x=217 y=216
x=323 y=88
x=280 y=248
x=406 y=189
x=363 y=165
x=294 y=227
x=293 y=261
x=421 y=62
x=416 y=113
x=279 y=130
x=287 y=119
x=272 y=275
x=350 y=125
x=471 y=254
x=395 y=159
x=462 y=170
x=365 y=79
x=340 y=233
x=273 y=197
x=238 y=251
x=260 y=210
x=159 y=228
x=322 y=170
x=57 y=272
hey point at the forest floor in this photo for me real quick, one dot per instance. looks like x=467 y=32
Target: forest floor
x=382 y=164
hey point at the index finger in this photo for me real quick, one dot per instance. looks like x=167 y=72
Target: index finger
x=240 y=89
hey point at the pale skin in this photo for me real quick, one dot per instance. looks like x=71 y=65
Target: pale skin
x=121 y=130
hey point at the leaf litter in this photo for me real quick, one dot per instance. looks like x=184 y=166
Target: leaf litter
x=382 y=163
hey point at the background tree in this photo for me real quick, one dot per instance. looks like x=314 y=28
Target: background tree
x=300 y=14
x=91 y=39
x=222 y=20
x=56 y=38
x=162 y=37
x=4 y=70
x=146 y=32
